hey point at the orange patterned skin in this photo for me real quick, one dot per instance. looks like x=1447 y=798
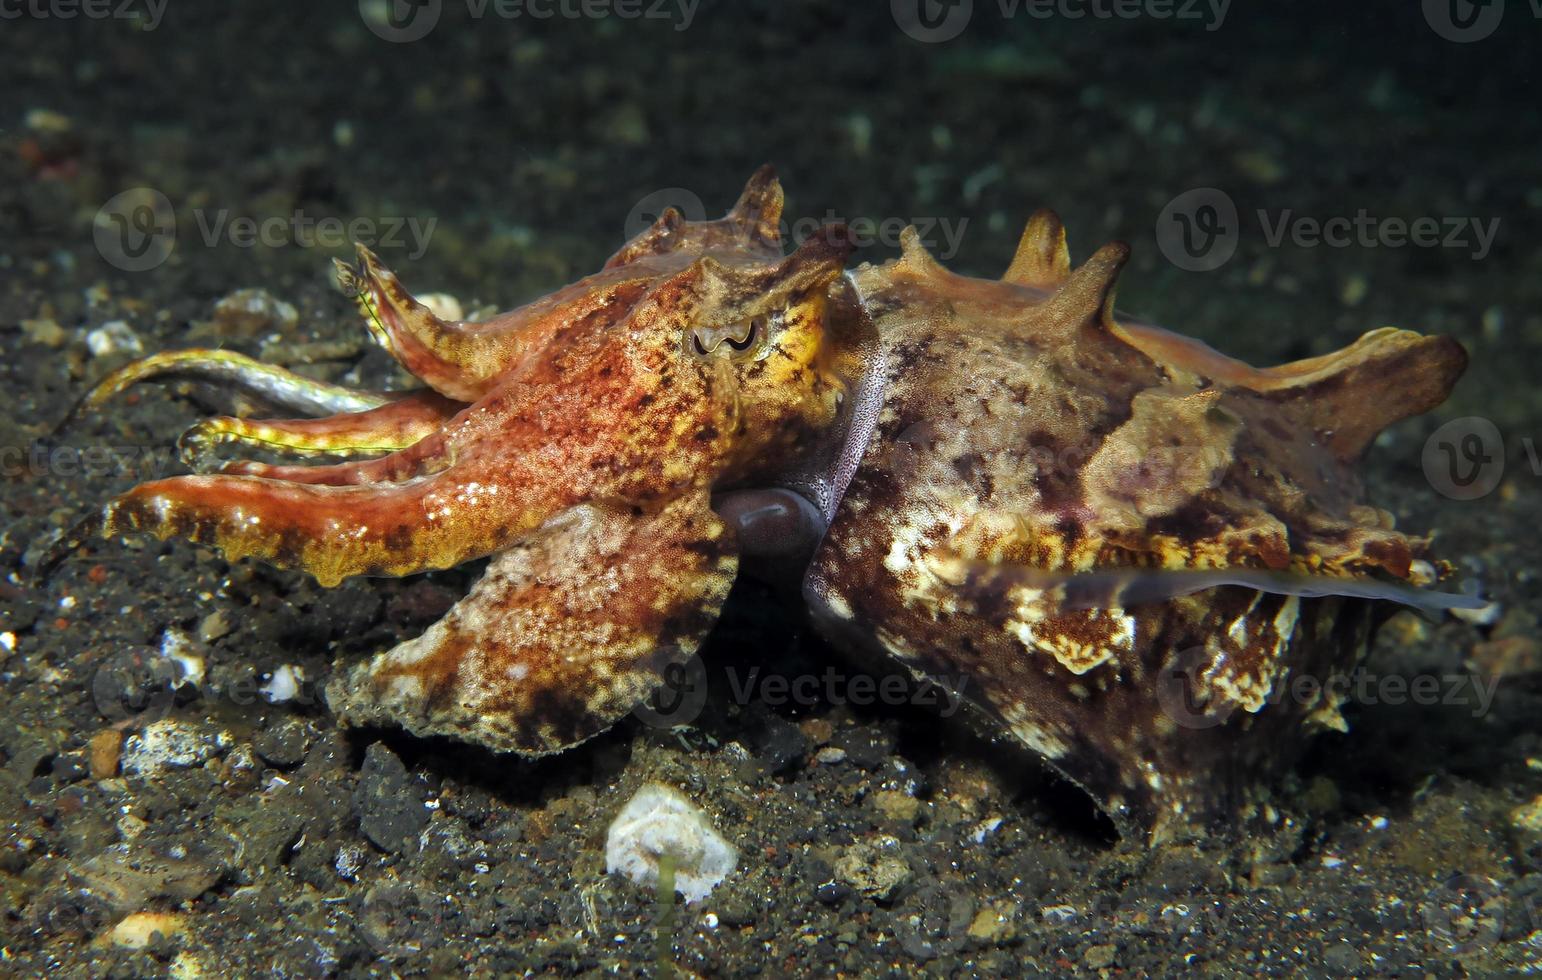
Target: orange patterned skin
x=577 y=440
x=1116 y=544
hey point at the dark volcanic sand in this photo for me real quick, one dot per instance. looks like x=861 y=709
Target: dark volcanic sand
x=284 y=846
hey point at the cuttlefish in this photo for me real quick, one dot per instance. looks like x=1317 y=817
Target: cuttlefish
x=1146 y=562
x=578 y=440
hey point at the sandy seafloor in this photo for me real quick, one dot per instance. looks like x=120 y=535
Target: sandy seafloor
x=874 y=840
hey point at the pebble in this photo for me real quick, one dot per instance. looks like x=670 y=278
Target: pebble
x=780 y=744
x=214 y=626
x=138 y=930
x=1343 y=959
x=875 y=871
x=868 y=746
x=830 y=756
x=69 y=767
x=1100 y=957
x=114 y=337
x=832 y=892
x=390 y=808
x=817 y=730
x=897 y=806
x=250 y=312
x=283 y=744
x=105 y=749
x=41 y=120
x=996 y=922
x=283 y=684
x=443 y=305
x=985 y=828
x=1526 y=827
x=659 y=820
x=349 y=861
x=125 y=877
x=171 y=744
x=186 y=655
x=45 y=330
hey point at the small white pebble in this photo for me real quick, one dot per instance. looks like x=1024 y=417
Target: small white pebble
x=179 y=648
x=8 y=641
x=984 y=829
x=1378 y=823
x=67 y=602
x=170 y=744
x=659 y=821
x=442 y=305
x=114 y=337
x=283 y=685
x=1330 y=861
x=709 y=920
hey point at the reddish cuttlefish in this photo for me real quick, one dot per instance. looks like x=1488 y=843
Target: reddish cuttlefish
x=1112 y=542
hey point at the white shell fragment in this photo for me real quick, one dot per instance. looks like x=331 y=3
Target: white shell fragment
x=659 y=821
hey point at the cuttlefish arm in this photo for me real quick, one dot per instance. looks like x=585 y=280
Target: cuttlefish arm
x=352 y=422
x=566 y=631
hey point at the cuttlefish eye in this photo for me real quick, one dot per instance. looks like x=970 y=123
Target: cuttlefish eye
x=740 y=336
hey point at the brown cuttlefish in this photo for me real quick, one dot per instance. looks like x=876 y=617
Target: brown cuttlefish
x=1116 y=544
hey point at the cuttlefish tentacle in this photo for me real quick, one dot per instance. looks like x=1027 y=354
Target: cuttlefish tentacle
x=565 y=632
x=397 y=424
x=636 y=421
x=278 y=386
x=498 y=486
x=427 y=456
x=437 y=351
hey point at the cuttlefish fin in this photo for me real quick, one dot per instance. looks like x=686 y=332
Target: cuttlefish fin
x=1042 y=260
x=1344 y=398
x=1348 y=397
x=565 y=633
